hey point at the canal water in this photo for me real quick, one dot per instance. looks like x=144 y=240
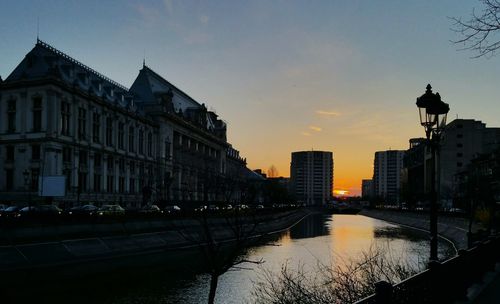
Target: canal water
x=175 y=278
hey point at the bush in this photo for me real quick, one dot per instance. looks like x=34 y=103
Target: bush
x=346 y=283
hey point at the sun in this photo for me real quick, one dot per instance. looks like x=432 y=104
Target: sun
x=340 y=192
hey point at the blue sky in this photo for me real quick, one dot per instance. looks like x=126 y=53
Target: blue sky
x=286 y=75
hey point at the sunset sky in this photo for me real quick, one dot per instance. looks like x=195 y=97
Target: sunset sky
x=332 y=75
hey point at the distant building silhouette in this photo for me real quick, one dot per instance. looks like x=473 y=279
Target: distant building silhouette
x=367 y=188
x=311 y=177
x=387 y=168
x=413 y=180
x=153 y=141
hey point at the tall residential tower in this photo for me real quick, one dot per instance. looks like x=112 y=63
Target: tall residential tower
x=311 y=175
x=387 y=168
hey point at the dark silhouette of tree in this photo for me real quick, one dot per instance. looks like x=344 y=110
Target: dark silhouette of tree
x=272 y=171
x=223 y=241
x=480 y=33
x=222 y=236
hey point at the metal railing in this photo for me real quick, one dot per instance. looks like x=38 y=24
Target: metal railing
x=442 y=282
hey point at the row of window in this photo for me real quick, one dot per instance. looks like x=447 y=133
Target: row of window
x=182 y=141
x=82 y=126
x=36 y=115
x=109 y=126
x=134 y=185
x=10 y=153
x=30 y=181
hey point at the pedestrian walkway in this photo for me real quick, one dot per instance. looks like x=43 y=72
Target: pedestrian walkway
x=452 y=228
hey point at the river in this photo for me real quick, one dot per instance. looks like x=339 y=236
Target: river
x=174 y=278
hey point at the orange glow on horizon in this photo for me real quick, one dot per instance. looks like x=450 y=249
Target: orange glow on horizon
x=341 y=192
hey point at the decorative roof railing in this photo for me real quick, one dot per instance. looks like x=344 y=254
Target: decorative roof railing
x=78 y=63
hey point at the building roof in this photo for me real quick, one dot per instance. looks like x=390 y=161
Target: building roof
x=149 y=84
x=46 y=61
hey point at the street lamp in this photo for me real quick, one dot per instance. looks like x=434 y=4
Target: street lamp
x=433 y=112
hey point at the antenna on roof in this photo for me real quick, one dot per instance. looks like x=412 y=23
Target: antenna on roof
x=144 y=59
x=37 y=28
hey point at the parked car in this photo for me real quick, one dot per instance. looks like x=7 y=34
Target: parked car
x=457 y=210
x=227 y=207
x=172 y=209
x=12 y=211
x=150 y=209
x=200 y=209
x=48 y=210
x=213 y=208
x=83 y=210
x=111 y=210
x=26 y=210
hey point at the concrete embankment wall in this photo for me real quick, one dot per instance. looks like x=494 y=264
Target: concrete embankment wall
x=452 y=228
x=125 y=239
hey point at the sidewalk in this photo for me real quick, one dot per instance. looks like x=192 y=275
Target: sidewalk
x=453 y=228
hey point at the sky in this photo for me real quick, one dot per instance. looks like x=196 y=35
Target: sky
x=286 y=76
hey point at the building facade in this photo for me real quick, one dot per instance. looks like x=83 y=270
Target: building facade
x=462 y=141
x=311 y=177
x=413 y=179
x=112 y=144
x=387 y=168
x=367 y=188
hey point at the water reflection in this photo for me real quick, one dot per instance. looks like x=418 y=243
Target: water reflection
x=175 y=278
x=312 y=226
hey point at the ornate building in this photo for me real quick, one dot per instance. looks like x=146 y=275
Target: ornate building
x=113 y=144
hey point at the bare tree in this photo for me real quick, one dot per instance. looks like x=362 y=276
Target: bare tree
x=480 y=33
x=272 y=171
x=332 y=284
x=222 y=238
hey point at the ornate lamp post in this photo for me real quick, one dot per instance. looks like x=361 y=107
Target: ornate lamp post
x=433 y=112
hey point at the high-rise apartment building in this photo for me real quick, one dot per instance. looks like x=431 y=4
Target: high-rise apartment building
x=462 y=141
x=311 y=175
x=387 y=168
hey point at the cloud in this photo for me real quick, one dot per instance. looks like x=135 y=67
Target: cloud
x=305 y=133
x=315 y=128
x=327 y=113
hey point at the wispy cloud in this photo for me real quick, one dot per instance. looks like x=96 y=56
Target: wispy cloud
x=327 y=113
x=305 y=133
x=315 y=128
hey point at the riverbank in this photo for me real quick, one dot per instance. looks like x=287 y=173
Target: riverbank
x=172 y=235
x=453 y=229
